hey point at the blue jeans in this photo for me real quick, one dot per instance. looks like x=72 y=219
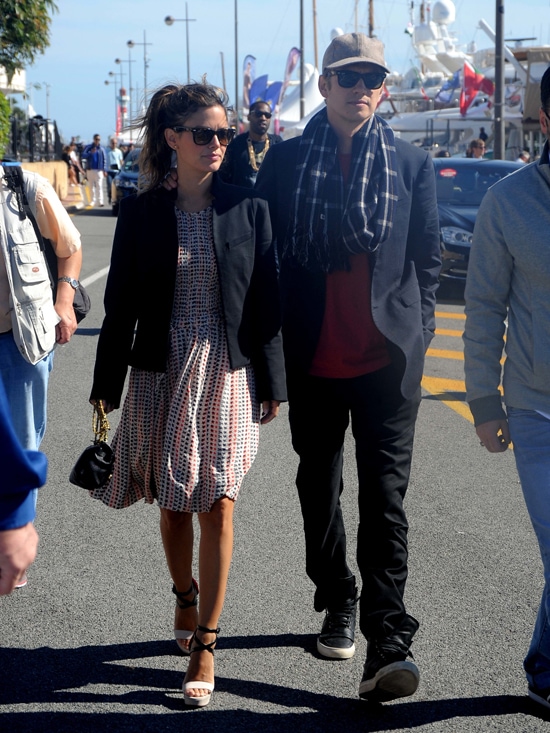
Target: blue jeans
x=530 y=433
x=26 y=387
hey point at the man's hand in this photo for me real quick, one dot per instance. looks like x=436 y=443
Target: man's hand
x=17 y=552
x=270 y=410
x=171 y=179
x=67 y=325
x=494 y=435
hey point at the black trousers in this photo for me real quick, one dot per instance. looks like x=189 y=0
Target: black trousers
x=382 y=423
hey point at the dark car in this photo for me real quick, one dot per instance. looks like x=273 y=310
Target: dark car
x=126 y=180
x=461 y=183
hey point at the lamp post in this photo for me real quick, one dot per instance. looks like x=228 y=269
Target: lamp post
x=131 y=44
x=121 y=99
x=116 y=100
x=169 y=20
x=129 y=93
x=48 y=87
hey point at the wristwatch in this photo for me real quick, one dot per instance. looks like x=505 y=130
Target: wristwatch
x=72 y=282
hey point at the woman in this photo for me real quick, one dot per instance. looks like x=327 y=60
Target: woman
x=476 y=148
x=66 y=158
x=193 y=272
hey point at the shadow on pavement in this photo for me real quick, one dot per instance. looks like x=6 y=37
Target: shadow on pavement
x=83 y=676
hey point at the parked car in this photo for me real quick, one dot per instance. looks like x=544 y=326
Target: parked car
x=126 y=180
x=461 y=183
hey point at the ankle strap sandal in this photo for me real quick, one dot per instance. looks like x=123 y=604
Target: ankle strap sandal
x=183 y=635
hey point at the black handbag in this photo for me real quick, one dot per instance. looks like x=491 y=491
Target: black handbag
x=95 y=466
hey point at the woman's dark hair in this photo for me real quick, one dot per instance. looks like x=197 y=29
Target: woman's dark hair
x=545 y=90
x=169 y=107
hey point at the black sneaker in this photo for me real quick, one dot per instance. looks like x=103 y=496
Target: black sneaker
x=542 y=697
x=388 y=674
x=337 y=637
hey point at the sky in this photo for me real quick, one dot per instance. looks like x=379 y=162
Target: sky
x=87 y=37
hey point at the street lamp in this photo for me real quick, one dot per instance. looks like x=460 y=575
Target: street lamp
x=48 y=87
x=129 y=95
x=169 y=20
x=131 y=44
x=116 y=101
x=121 y=99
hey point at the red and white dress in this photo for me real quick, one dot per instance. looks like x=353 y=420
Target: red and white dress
x=187 y=437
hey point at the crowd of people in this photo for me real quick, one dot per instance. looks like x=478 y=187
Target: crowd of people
x=312 y=280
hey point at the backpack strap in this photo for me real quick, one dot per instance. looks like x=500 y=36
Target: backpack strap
x=13 y=175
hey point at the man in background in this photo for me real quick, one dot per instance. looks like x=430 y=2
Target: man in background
x=246 y=153
x=509 y=283
x=96 y=169
x=114 y=164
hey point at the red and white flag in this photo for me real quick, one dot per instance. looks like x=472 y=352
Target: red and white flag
x=472 y=83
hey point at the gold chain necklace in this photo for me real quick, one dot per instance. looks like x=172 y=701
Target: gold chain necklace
x=256 y=159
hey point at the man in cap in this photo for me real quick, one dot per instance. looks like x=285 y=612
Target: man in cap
x=354 y=213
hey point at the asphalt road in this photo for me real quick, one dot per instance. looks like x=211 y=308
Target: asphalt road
x=87 y=646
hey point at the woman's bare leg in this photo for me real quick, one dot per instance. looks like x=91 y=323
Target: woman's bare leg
x=215 y=551
x=176 y=529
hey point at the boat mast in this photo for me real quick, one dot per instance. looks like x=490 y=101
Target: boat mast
x=315 y=34
x=371 y=18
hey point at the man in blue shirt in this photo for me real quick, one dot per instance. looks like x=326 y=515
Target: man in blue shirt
x=96 y=168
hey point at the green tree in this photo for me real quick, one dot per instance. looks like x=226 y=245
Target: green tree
x=24 y=32
x=4 y=123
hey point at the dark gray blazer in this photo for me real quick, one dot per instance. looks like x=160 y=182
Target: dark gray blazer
x=140 y=289
x=404 y=269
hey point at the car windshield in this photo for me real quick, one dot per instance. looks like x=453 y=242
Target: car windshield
x=131 y=162
x=467 y=185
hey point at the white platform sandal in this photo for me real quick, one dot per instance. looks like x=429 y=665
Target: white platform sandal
x=200 y=702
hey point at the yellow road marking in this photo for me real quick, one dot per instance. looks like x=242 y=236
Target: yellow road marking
x=448 y=332
x=452 y=392
x=446 y=354
x=444 y=314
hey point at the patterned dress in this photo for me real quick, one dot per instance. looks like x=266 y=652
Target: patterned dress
x=187 y=437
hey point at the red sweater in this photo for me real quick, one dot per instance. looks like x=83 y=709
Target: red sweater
x=349 y=344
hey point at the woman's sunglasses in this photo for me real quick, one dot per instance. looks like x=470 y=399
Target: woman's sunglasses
x=204 y=135
x=348 y=79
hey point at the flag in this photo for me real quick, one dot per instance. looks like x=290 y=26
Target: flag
x=445 y=94
x=384 y=96
x=291 y=63
x=258 y=89
x=472 y=83
x=419 y=80
x=272 y=94
x=249 y=74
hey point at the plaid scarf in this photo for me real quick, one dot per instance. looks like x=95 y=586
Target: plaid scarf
x=327 y=221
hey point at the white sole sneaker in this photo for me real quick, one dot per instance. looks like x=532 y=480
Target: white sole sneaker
x=333 y=652
x=399 y=679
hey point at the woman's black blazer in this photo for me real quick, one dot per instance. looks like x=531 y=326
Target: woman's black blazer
x=140 y=289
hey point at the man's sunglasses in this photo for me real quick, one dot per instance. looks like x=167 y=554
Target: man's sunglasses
x=205 y=135
x=348 y=79
x=257 y=113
